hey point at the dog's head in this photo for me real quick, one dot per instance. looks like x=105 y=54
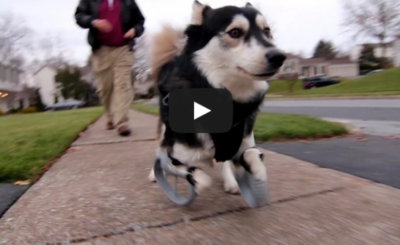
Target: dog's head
x=232 y=42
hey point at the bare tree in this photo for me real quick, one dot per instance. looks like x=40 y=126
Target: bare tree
x=377 y=19
x=291 y=79
x=52 y=49
x=15 y=39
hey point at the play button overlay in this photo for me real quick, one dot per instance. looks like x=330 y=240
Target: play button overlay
x=200 y=110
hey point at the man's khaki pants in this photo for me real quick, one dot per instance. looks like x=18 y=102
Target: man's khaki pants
x=113 y=69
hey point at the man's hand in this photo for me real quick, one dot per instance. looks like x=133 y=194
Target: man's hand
x=130 y=34
x=102 y=25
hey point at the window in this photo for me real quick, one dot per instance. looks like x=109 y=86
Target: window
x=2 y=71
x=12 y=75
x=319 y=70
x=289 y=66
x=15 y=78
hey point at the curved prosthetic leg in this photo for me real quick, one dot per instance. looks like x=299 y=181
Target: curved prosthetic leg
x=252 y=178
x=196 y=177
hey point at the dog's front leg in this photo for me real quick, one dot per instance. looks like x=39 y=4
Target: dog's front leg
x=230 y=184
x=252 y=158
x=194 y=175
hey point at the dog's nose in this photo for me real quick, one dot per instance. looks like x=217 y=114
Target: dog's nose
x=275 y=58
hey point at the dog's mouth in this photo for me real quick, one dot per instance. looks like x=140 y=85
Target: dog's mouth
x=262 y=75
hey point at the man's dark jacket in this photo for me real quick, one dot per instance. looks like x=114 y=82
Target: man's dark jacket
x=131 y=17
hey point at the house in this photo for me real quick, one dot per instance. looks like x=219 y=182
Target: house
x=335 y=67
x=12 y=93
x=87 y=75
x=391 y=51
x=143 y=84
x=44 y=80
x=396 y=53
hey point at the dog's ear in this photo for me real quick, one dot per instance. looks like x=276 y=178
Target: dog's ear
x=200 y=11
x=249 y=5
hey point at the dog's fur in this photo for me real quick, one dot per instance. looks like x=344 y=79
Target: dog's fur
x=225 y=48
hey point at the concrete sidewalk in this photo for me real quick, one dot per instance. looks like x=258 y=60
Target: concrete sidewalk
x=98 y=193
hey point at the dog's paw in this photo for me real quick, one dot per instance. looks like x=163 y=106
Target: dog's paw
x=151 y=177
x=202 y=180
x=231 y=188
x=259 y=171
x=253 y=158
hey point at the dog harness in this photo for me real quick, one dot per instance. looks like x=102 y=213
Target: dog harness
x=227 y=144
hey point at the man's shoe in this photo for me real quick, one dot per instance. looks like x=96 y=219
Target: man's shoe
x=109 y=126
x=124 y=131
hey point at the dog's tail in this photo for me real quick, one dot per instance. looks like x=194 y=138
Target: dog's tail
x=166 y=44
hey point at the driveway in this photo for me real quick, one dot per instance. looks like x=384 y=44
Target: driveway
x=376 y=158
x=373 y=157
x=377 y=117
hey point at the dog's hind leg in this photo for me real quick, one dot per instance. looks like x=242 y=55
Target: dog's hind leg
x=159 y=136
x=151 y=177
x=230 y=184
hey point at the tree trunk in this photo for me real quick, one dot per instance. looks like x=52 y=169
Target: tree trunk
x=383 y=59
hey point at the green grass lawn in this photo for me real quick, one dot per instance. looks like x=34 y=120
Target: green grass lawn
x=30 y=141
x=276 y=127
x=281 y=87
x=379 y=84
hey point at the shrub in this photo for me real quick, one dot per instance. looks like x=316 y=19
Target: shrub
x=1 y=112
x=38 y=103
x=13 y=111
x=29 y=110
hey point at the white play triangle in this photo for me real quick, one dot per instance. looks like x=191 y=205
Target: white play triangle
x=200 y=110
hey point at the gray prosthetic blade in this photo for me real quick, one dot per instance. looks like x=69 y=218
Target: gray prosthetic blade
x=254 y=192
x=161 y=165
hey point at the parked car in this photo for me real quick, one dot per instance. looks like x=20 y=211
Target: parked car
x=318 y=81
x=65 y=105
x=374 y=71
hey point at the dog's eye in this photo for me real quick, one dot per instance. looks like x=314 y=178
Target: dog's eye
x=235 y=33
x=267 y=32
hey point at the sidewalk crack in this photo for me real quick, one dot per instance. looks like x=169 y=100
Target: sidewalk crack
x=112 y=142
x=182 y=220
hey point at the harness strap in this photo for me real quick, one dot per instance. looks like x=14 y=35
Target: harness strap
x=165 y=100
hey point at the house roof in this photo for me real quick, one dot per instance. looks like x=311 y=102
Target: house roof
x=341 y=60
x=293 y=56
x=85 y=70
x=314 y=61
x=375 y=45
x=11 y=67
x=334 y=61
x=53 y=67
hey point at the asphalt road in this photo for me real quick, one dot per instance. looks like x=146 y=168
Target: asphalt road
x=9 y=193
x=378 y=110
x=377 y=159
x=376 y=117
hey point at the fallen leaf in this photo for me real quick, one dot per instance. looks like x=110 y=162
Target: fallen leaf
x=22 y=182
x=72 y=149
x=361 y=139
x=393 y=137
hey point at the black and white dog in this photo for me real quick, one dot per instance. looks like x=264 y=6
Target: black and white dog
x=229 y=48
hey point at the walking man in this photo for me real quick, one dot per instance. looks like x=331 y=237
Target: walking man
x=113 y=26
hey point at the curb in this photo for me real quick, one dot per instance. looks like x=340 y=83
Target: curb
x=349 y=126
x=338 y=98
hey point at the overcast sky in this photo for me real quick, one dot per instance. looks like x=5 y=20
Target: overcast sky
x=297 y=24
